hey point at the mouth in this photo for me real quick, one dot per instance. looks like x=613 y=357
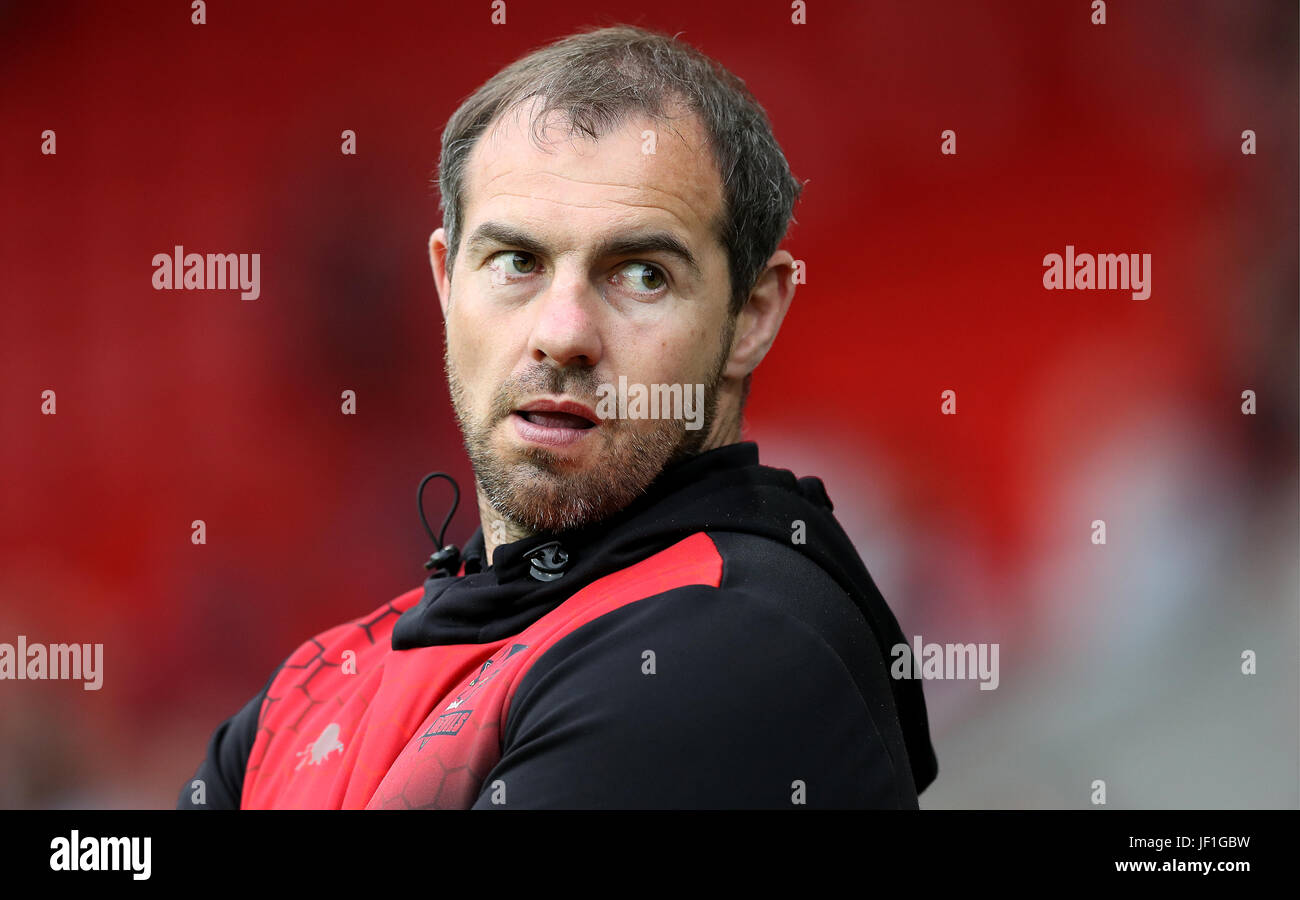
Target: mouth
x=554 y=423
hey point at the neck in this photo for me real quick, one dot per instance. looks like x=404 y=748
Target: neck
x=497 y=529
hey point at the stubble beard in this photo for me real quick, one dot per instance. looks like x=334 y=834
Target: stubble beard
x=538 y=490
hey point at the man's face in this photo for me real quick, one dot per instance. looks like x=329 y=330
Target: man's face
x=579 y=263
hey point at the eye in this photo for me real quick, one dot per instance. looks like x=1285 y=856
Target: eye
x=513 y=262
x=642 y=278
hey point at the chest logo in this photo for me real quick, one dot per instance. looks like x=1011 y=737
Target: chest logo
x=453 y=717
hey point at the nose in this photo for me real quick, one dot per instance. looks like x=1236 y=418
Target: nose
x=566 y=328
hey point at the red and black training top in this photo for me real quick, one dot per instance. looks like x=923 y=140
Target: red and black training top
x=716 y=644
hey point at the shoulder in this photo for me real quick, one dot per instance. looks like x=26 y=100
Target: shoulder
x=367 y=634
x=730 y=693
x=771 y=609
x=749 y=641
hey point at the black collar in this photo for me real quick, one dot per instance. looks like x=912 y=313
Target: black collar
x=533 y=575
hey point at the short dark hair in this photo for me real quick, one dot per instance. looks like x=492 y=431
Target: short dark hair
x=596 y=78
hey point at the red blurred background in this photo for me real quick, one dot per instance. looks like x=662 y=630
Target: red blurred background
x=924 y=274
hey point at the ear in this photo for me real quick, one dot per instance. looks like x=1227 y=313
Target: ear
x=438 y=251
x=761 y=316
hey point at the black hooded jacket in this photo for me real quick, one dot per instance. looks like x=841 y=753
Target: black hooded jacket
x=771 y=689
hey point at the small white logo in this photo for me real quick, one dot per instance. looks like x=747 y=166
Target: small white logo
x=320 y=749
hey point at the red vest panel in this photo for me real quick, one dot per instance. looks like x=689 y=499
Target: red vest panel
x=349 y=723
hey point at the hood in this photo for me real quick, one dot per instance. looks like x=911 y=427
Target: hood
x=725 y=489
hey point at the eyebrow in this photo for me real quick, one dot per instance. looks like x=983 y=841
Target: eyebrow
x=633 y=244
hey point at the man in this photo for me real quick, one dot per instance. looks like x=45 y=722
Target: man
x=647 y=617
